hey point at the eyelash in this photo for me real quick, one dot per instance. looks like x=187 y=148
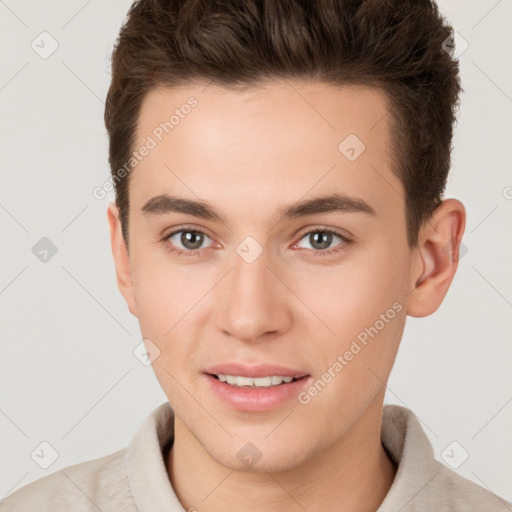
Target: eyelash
x=340 y=247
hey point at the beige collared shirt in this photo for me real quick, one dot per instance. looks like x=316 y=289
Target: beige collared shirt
x=135 y=479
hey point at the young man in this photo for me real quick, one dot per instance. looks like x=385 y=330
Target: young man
x=279 y=169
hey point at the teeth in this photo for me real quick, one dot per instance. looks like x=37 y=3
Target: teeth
x=258 y=382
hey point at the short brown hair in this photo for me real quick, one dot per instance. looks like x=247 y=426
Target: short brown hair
x=396 y=45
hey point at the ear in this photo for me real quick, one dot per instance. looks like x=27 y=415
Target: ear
x=121 y=258
x=436 y=258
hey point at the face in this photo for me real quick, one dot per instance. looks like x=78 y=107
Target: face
x=261 y=281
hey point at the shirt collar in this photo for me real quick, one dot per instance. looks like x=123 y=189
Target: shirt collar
x=407 y=444
x=145 y=467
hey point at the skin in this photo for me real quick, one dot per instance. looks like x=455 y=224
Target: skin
x=249 y=154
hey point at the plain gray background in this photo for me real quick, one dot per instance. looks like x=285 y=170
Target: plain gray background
x=68 y=373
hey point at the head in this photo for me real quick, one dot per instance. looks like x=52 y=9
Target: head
x=279 y=169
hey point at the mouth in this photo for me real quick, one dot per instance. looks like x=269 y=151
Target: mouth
x=255 y=388
x=269 y=381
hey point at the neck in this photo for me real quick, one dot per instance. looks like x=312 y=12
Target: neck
x=354 y=474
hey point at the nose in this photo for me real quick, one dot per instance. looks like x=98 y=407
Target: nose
x=253 y=303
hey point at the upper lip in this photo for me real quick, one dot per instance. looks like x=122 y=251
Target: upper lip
x=254 y=370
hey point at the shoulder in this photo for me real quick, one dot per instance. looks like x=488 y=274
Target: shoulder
x=459 y=494
x=422 y=482
x=99 y=484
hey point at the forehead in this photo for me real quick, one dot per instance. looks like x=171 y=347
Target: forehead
x=291 y=136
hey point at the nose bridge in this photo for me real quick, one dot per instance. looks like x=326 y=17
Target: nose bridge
x=249 y=274
x=251 y=303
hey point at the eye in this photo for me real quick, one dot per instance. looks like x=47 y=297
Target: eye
x=321 y=239
x=191 y=241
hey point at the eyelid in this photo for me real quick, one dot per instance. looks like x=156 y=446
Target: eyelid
x=186 y=227
x=318 y=227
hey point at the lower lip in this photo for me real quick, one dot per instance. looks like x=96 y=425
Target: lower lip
x=256 y=400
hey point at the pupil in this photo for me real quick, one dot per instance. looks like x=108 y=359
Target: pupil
x=325 y=240
x=187 y=239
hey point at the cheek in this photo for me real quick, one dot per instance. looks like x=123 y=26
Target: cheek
x=170 y=301
x=361 y=303
x=352 y=293
x=163 y=290
x=165 y=298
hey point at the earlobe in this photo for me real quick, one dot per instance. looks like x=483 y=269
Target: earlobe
x=121 y=258
x=436 y=258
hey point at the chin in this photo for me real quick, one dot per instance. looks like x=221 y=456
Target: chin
x=259 y=457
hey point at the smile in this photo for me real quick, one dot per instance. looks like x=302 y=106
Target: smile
x=257 y=382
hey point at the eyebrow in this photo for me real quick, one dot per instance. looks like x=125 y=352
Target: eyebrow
x=164 y=204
